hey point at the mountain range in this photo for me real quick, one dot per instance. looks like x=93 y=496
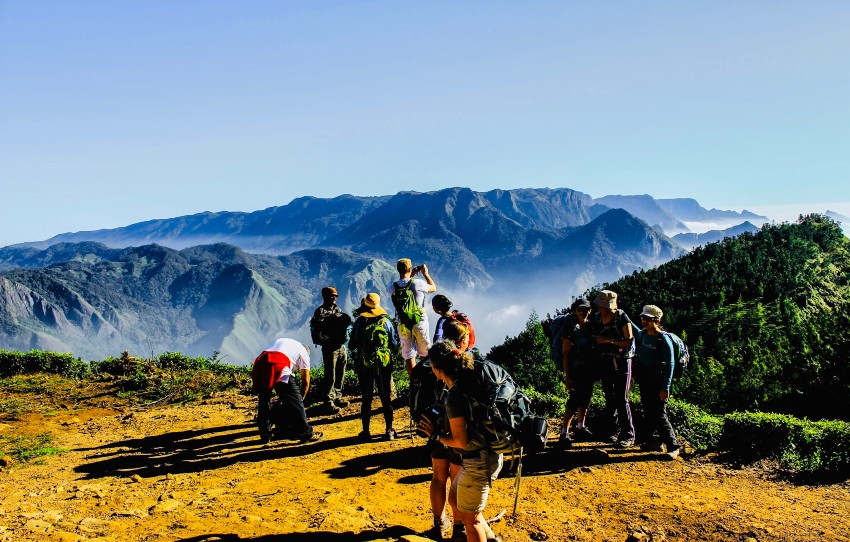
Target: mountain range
x=231 y=282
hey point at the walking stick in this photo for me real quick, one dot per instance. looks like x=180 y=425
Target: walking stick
x=517 y=482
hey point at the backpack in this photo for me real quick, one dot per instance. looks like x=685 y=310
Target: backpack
x=555 y=332
x=681 y=356
x=464 y=319
x=374 y=347
x=499 y=411
x=407 y=309
x=425 y=389
x=329 y=329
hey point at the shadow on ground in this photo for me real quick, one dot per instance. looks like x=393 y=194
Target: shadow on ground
x=393 y=533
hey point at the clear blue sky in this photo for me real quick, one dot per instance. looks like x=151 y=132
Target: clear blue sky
x=117 y=112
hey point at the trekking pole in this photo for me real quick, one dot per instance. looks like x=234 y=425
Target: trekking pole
x=517 y=483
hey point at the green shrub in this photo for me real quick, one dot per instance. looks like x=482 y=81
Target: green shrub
x=701 y=429
x=14 y=363
x=546 y=404
x=811 y=449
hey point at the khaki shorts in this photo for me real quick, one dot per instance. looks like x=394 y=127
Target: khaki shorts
x=415 y=341
x=472 y=485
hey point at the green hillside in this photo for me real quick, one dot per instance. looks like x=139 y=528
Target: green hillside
x=766 y=316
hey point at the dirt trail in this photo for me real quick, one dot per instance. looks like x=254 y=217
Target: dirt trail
x=194 y=473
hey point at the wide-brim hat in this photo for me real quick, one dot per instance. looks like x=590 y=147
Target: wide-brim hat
x=652 y=311
x=372 y=302
x=606 y=299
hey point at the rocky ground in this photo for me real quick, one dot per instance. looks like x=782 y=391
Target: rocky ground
x=200 y=473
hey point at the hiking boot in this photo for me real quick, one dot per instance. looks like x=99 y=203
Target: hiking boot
x=442 y=528
x=673 y=451
x=391 y=434
x=564 y=442
x=458 y=532
x=340 y=402
x=313 y=437
x=364 y=435
x=328 y=406
x=265 y=439
x=614 y=438
x=654 y=447
x=583 y=434
x=626 y=443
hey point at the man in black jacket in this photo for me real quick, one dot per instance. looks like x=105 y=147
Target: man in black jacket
x=329 y=328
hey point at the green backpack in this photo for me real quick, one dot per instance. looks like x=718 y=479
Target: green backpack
x=375 y=343
x=407 y=309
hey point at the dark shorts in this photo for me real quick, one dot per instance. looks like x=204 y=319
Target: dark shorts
x=583 y=377
x=441 y=451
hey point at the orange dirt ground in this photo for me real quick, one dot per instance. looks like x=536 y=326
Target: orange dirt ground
x=199 y=473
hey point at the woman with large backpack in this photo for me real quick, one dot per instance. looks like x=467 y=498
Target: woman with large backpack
x=654 y=375
x=373 y=345
x=480 y=465
x=614 y=343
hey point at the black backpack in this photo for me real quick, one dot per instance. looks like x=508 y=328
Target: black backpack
x=499 y=411
x=425 y=389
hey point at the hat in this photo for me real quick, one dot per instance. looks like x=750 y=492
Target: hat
x=606 y=299
x=581 y=302
x=329 y=290
x=652 y=312
x=373 y=303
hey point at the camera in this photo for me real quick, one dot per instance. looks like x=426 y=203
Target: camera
x=416 y=269
x=436 y=414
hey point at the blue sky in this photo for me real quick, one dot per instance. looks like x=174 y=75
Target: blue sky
x=117 y=112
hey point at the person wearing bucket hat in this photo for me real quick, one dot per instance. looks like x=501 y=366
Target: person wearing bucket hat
x=329 y=330
x=614 y=343
x=579 y=371
x=374 y=344
x=654 y=375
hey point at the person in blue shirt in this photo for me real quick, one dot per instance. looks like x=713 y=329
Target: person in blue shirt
x=654 y=375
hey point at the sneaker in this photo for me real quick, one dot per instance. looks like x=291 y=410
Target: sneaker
x=626 y=443
x=340 y=402
x=316 y=435
x=265 y=439
x=614 y=438
x=673 y=451
x=651 y=447
x=583 y=434
x=391 y=434
x=328 y=406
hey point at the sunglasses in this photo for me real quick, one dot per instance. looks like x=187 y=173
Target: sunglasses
x=648 y=319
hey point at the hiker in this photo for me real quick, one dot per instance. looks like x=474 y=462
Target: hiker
x=408 y=297
x=654 y=375
x=329 y=330
x=480 y=465
x=445 y=461
x=373 y=344
x=274 y=369
x=442 y=306
x=579 y=371
x=614 y=344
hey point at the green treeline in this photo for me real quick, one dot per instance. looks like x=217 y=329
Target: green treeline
x=766 y=317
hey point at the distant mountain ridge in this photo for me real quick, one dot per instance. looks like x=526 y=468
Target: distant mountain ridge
x=258 y=275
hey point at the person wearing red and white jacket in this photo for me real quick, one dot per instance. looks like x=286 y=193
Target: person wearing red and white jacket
x=275 y=369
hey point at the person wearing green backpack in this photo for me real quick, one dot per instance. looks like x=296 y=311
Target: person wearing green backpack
x=373 y=345
x=408 y=298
